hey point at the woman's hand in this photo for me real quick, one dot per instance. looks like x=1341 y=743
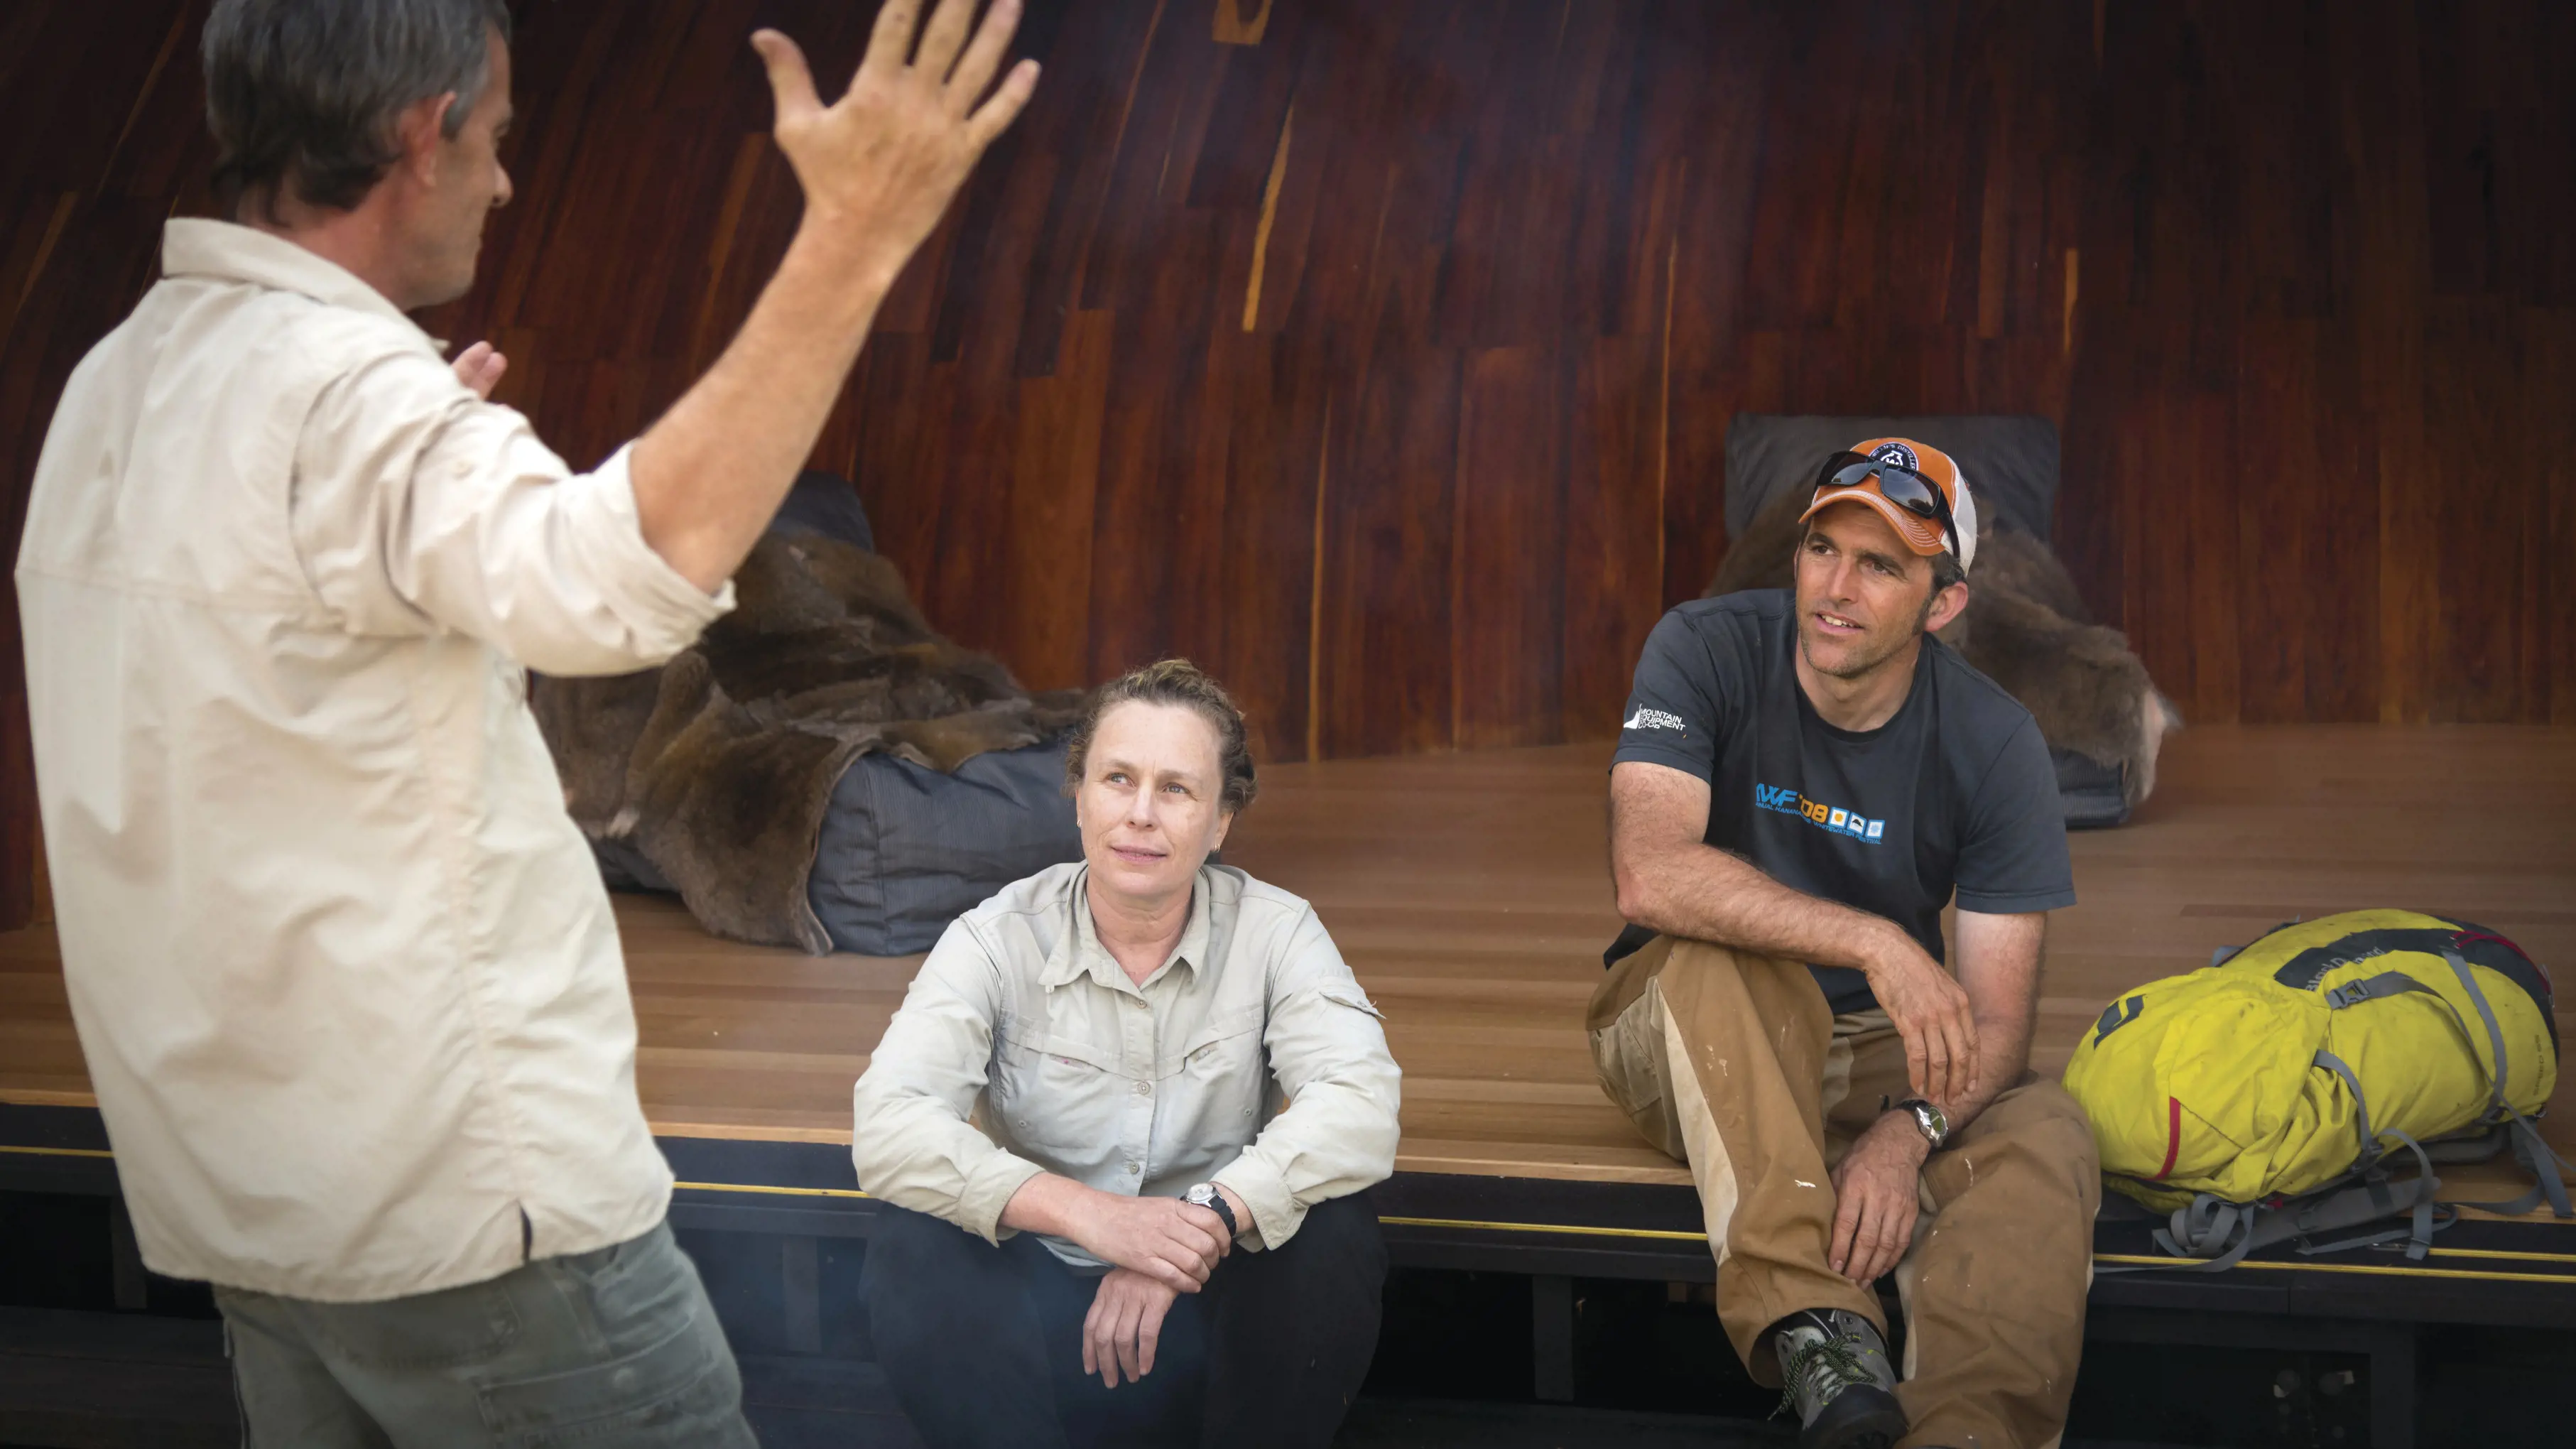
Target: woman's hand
x=1161 y=1238
x=1124 y=1326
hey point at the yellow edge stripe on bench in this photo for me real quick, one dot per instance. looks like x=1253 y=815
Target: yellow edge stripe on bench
x=781 y=1191
x=2367 y=1269
x=1669 y=1235
x=1663 y=1233
x=2503 y=1253
x=2491 y=1253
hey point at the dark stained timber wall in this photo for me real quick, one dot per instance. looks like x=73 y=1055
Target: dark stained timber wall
x=1380 y=353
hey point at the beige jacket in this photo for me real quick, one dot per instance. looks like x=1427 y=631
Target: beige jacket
x=1022 y=1019
x=342 y=968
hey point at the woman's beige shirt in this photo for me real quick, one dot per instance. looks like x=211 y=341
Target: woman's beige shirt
x=1249 y=1058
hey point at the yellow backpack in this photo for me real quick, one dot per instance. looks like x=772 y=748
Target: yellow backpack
x=2258 y=1099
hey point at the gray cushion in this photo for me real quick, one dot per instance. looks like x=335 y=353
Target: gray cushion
x=905 y=850
x=825 y=503
x=2011 y=462
x=2091 y=792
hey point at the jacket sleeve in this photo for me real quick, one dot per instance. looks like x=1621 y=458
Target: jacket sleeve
x=1328 y=1051
x=420 y=508
x=909 y=1135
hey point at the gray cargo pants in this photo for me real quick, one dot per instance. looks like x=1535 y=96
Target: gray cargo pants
x=613 y=1348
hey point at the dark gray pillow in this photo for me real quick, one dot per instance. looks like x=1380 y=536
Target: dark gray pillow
x=905 y=850
x=2011 y=462
x=827 y=504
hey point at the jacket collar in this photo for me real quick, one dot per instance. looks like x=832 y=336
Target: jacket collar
x=196 y=247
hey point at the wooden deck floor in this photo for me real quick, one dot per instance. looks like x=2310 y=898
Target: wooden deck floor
x=1470 y=893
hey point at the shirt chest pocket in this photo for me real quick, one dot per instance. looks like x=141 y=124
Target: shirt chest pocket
x=1212 y=1087
x=1058 y=1093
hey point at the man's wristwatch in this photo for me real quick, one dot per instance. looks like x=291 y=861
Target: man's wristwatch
x=1934 y=1122
x=1204 y=1194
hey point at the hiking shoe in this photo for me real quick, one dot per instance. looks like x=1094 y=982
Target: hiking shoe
x=1834 y=1372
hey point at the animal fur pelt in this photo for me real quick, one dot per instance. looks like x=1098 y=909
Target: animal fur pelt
x=718 y=766
x=2026 y=629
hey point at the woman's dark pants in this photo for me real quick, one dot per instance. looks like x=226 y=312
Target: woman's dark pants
x=983 y=1345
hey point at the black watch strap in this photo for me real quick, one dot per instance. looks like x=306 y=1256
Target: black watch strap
x=1929 y=1119
x=1217 y=1204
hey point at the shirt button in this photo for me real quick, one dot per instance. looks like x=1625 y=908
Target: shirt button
x=1144 y=1089
x=1135 y=1167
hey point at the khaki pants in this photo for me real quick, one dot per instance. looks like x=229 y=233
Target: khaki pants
x=1733 y=1063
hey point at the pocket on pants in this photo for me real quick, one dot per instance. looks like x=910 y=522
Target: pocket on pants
x=1628 y=1052
x=683 y=1390
x=634 y=1290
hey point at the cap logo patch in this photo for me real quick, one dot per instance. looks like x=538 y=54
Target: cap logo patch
x=1897 y=453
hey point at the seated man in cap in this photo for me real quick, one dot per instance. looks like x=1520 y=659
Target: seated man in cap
x=1803 y=781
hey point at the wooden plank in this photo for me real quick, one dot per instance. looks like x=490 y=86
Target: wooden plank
x=1507 y=566
x=1264 y=586
x=1054 y=473
x=1614 y=480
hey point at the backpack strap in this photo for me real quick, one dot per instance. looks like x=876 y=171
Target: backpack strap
x=2546 y=1168
x=2528 y=1147
x=2209 y=1228
x=2497 y=1111
x=2370 y=1150
x=2372 y=1198
x=2378 y=988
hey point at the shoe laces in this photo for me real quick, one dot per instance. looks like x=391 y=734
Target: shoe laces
x=1830 y=1361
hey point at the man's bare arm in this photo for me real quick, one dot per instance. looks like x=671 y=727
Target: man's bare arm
x=1670 y=880
x=1999 y=965
x=878 y=168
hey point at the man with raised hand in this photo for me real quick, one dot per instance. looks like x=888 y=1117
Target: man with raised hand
x=1803 y=781
x=343 y=970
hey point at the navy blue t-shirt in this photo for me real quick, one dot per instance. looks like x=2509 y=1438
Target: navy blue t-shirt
x=1955 y=792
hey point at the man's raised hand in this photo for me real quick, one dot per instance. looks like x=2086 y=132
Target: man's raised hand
x=880 y=164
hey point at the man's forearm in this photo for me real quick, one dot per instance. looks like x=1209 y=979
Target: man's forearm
x=1999 y=960
x=1707 y=894
x=711 y=473
x=2003 y=1054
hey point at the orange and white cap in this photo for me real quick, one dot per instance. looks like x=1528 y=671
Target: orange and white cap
x=1923 y=535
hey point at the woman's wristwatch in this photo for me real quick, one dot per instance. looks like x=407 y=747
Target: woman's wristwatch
x=1204 y=1194
x=1934 y=1122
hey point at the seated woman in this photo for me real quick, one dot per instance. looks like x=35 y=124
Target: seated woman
x=1139 y=1205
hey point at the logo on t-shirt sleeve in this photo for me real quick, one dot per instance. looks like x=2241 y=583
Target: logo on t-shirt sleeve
x=1654 y=719
x=1822 y=816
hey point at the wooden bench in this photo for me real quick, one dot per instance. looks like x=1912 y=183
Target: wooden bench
x=1470 y=894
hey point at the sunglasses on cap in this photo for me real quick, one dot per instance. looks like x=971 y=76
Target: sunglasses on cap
x=1897 y=484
